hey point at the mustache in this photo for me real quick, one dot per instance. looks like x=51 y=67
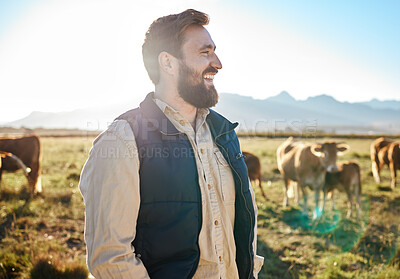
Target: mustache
x=210 y=70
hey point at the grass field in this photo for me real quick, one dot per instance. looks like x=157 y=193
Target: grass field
x=43 y=237
x=333 y=246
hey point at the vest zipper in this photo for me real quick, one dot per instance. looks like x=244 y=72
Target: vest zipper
x=241 y=192
x=193 y=271
x=200 y=208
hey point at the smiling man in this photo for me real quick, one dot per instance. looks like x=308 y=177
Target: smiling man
x=165 y=187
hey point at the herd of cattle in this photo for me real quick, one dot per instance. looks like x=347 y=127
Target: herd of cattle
x=300 y=164
x=314 y=165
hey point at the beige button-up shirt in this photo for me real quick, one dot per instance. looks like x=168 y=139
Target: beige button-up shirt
x=110 y=185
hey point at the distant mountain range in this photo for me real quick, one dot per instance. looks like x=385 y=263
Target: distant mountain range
x=284 y=113
x=278 y=113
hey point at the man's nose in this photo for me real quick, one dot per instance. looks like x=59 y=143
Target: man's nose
x=216 y=63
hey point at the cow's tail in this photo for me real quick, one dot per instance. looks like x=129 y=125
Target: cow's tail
x=20 y=164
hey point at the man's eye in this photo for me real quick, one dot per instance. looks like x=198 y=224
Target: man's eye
x=205 y=52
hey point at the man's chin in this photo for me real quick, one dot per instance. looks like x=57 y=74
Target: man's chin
x=202 y=95
x=208 y=85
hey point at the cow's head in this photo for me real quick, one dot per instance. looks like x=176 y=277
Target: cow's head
x=328 y=152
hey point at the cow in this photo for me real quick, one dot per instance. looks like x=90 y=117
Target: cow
x=379 y=152
x=254 y=169
x=27 y=149
x=394 y=161
x=347 y=179
x=307 y=164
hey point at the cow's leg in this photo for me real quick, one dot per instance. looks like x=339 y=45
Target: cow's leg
x=34 y=179
x=357 y=193
x=297 y=193
x=393 y=174
x=304 y=193
x=262 y=191
x=376 y=170
x=317 y=212
x=324 y=201
x=350 y=201
x=285 y=190
x=330 y=194
x=333 y=200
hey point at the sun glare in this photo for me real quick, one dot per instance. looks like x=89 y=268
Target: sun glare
x=65 y=55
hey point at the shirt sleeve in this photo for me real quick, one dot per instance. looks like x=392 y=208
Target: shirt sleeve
x=110 y=187
x=258 y=260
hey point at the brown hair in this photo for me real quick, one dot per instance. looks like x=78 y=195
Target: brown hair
x=166 y=34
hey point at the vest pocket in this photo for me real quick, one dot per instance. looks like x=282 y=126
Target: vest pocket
x=227 y=184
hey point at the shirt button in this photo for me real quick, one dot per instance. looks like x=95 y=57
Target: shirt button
x=216 y=222
x=209 y=187
x=220 y=258
x=182 y=122
x=202 y=151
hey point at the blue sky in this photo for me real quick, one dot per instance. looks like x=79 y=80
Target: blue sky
x=365 y=31
x=68 y=54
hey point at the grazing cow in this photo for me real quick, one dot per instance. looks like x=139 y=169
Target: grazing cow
x=307 y=165
x=379 y=156
x=27 y=149
x=254 y=169
x=347 y=179
x=394 y=160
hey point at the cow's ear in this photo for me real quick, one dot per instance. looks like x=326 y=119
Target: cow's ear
x=316 y=149
x=342 y=149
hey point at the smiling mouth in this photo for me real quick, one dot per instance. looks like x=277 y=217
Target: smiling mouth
x=209 y=77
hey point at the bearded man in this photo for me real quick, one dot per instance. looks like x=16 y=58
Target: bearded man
x=165 y=187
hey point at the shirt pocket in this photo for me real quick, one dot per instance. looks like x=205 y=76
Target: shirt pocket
x=226 y=183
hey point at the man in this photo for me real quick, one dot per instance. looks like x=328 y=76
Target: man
x=165 y=187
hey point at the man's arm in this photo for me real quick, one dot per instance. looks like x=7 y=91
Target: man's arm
x=258 y=260
x=111 y=191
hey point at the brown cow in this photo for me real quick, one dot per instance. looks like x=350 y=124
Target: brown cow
x=307 y=165
x=254 y=169
x=394 y=160
x=347 y=179
x=27 y=149
x=378 y=159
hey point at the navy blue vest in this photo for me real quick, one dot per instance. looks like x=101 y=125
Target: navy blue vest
x=170 y=214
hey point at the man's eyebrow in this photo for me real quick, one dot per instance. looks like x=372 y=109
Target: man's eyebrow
x=209 y=46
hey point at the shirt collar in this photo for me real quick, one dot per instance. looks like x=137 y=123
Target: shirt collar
x=176 y=117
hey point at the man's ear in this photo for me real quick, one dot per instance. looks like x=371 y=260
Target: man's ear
x=167 y=63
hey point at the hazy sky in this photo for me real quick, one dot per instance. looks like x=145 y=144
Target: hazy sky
x=67 y=54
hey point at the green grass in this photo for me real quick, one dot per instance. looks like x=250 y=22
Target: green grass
x=43 y=236
x=296 y=246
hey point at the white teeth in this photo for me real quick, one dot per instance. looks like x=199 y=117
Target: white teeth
x=209 y=77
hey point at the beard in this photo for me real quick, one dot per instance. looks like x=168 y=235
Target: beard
x=198 y=95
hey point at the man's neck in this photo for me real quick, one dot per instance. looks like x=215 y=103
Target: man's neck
x=175 y=101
